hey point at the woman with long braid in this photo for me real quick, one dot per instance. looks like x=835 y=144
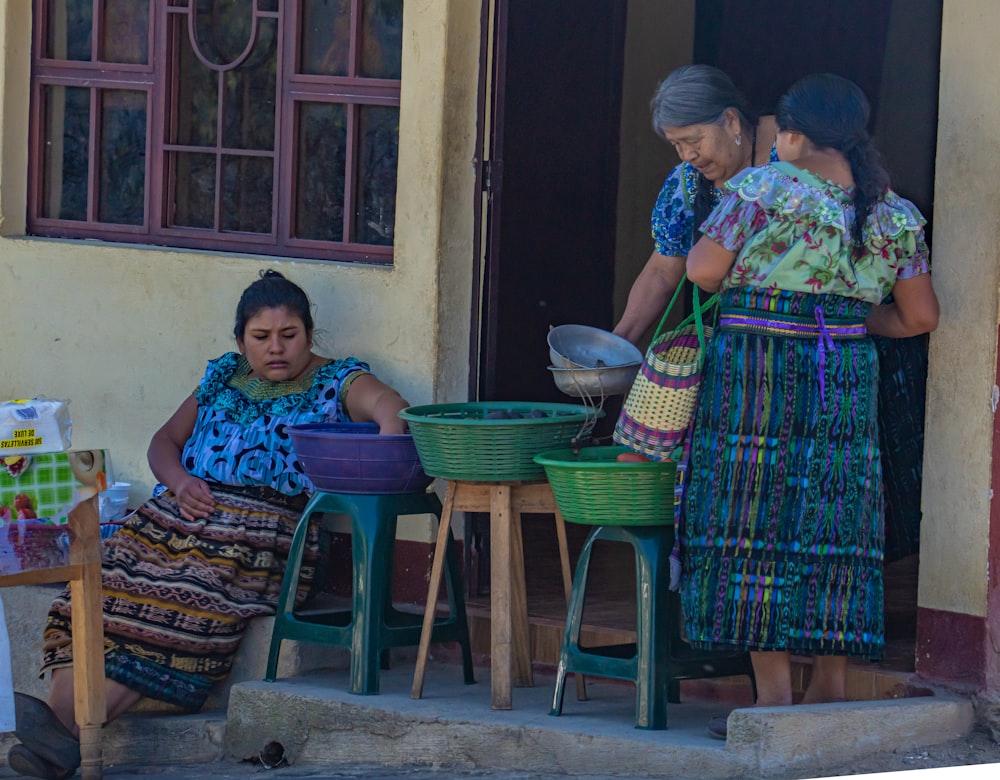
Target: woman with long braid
x=782 y=539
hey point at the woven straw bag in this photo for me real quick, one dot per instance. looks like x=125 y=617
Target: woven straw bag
x=659 y=408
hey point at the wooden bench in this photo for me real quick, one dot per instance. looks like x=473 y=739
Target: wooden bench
x=83 y=573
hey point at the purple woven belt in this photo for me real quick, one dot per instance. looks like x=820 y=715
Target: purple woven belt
x=799 y=327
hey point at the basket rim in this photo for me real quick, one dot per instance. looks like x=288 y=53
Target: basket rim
x=555 y=458
x=433 y=413
x=321 y=430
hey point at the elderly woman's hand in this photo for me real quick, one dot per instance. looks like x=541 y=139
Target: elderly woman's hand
x=194 y=499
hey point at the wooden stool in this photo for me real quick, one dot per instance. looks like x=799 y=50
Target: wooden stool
x=510 y=650
x=84 y=576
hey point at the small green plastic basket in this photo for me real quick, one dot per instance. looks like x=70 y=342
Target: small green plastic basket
x=592 y=488
x=494 y=441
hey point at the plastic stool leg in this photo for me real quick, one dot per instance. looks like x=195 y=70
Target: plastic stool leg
x=373 y=534
x=289 y=588
x=574 y=621
x=652 y=548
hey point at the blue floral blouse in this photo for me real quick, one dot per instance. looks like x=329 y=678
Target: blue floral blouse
x=239 y=436
x=673 y=213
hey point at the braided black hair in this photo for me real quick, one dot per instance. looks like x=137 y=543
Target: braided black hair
x=833 y=113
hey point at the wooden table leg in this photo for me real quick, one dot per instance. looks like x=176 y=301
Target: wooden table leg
x=500 y=596
x=437 y=568
x=520 y=630
x=88 y=636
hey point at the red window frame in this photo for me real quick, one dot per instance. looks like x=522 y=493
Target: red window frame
x=293 y=89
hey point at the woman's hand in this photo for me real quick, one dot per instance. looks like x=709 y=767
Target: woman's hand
x=371 y=400
x=194 y=499
x=649 y=295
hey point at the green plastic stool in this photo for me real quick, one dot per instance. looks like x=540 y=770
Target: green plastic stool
x=372 y=625
x=659 y=659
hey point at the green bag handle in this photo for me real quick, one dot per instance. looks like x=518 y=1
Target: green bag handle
x=697 y=315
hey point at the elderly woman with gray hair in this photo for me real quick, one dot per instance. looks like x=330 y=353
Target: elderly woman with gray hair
x=700 y=112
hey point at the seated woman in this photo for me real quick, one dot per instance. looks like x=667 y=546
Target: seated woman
x=191 y=567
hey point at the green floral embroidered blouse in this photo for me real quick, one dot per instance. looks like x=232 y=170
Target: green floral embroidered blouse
x=791 y=230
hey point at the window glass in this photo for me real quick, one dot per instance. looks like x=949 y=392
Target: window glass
x=123 y=157
x=319 y=186
x=66 y=143
x=126 y=31
x=247 y=189
x=223 y=29
x=250 y=95
x=382 y=39
x=196 y=105
x=69 y=29
x=326 y=37
x=194 y=189
x=378 y=150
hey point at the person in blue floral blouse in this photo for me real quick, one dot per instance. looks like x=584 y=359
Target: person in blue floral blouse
x=699 y=111
x=193 y=565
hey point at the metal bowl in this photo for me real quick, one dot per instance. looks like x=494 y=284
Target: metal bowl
x=595 y=382
x=581 y=346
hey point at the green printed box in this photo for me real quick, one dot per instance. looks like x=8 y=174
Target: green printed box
x=46 y=486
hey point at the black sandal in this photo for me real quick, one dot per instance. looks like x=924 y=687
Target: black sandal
x=43 y=734
x=27 y=763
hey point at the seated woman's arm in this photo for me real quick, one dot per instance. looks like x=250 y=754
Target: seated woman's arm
x=914 y=310
x=164 y=456
x=649 y=295
x=371 y=400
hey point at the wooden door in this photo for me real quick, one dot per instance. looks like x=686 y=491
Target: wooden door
x=552 y=176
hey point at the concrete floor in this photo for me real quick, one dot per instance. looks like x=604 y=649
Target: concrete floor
x=320 y=730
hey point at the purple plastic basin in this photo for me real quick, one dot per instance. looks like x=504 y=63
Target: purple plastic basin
x=355 y=458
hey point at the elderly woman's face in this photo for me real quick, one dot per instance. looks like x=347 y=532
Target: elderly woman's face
x=711 y=148
x=276 y=344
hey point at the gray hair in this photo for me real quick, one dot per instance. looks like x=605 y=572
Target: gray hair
x=697 y=95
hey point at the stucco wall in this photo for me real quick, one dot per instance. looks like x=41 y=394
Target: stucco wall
x=658 y=38
x=963 y=352
x=124 y=331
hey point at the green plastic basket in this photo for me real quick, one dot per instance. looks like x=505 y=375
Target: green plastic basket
x=592 y=488
x=494 y=441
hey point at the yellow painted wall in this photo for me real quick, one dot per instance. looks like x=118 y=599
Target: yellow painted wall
x=963 y=352
x=125 y=331
x=658 y=38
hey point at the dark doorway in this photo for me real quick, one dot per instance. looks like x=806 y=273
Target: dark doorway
x=553 y=185
x=551 y=178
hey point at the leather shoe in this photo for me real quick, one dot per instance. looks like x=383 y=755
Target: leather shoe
x=27 y=763
x=43 y=734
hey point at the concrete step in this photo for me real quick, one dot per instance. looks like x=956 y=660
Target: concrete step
x=315 y=721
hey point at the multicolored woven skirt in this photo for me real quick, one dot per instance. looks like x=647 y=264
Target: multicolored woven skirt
x=902 y=396
x=782 y=528
x=178 y=594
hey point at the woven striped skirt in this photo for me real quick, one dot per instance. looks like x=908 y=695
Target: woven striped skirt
x=782 y=527
x=178 y=594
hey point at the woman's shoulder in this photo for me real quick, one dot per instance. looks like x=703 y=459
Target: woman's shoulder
x=894 y=215
x=338 y=369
